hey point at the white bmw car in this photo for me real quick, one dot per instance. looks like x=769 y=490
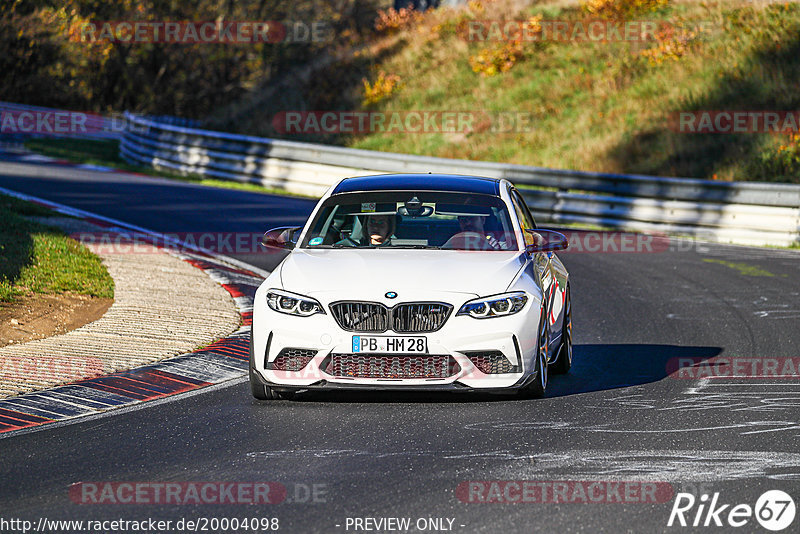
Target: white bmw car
x=413 y=282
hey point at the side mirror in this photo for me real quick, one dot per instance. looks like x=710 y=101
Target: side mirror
x=284 y=237
x=546 y=241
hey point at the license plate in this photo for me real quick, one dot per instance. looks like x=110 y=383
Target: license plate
x=391 y=344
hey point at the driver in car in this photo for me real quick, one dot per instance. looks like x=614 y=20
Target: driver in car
x=378 y=232
x=380 y=229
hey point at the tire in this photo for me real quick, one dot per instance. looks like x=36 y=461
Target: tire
x=261 y=391
x=564 y=361
x=258 y=391
x=536 y=389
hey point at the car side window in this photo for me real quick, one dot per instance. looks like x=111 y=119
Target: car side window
x=530 y=222
x=524 y=217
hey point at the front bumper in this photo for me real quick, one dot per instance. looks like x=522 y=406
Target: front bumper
x=452 y=387
x=459 y=338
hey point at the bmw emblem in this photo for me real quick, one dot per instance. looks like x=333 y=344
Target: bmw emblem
x=390 y=295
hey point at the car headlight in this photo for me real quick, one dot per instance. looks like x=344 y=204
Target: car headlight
x=495 y=306
x=292 y=303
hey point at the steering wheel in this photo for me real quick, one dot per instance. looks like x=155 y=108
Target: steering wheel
x=343 y=236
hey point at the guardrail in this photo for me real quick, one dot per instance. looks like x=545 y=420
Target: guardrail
x=737 y=212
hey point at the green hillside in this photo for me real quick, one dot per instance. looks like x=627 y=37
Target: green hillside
x=592 y=105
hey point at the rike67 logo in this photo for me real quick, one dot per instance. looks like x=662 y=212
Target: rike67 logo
x=774 y=510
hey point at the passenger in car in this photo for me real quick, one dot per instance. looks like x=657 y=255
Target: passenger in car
x=472 y=235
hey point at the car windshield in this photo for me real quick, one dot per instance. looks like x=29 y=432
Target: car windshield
x=412 y=219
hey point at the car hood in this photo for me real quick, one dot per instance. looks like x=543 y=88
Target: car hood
x=413 y=274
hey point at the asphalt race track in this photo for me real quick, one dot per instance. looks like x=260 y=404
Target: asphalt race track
x=618 y=417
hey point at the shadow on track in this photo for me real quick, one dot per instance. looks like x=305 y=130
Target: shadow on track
x=599 y=367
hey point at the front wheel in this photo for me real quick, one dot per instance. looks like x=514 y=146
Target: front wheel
x=564 y=360
x=261 y=391
x=264 y=392
x=537 y=388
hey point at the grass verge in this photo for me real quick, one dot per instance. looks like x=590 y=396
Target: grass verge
x=36 y=258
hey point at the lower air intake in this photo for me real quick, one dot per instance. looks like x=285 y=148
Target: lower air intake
x=491 y=362
x=391 y=366
x=292 y=359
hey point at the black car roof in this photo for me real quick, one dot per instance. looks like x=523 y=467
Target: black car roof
x=420 y=182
